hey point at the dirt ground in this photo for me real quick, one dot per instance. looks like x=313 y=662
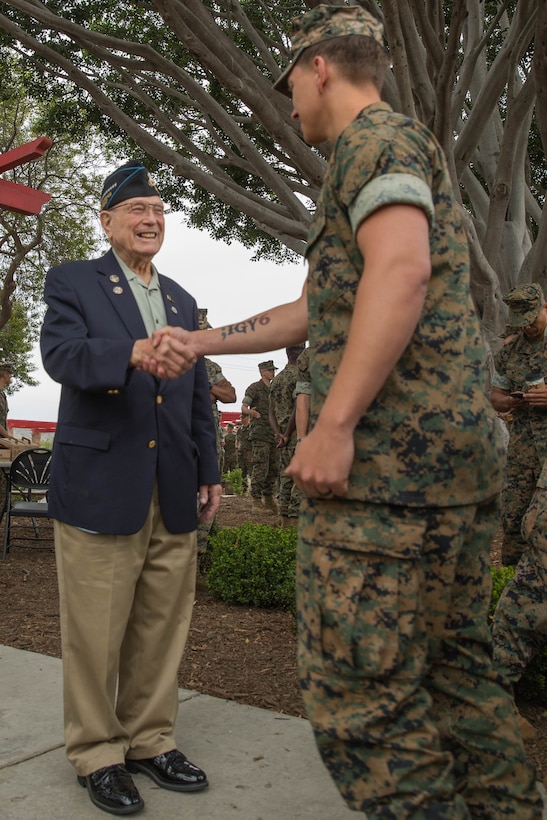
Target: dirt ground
x=246 y=655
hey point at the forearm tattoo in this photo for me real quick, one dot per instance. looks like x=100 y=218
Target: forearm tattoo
x=248 y=326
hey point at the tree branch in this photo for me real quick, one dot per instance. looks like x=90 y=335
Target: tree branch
x=399 y=55
x=518 y=38
x=517 y=117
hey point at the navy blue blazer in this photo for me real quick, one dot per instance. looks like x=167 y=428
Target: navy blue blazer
x=120 y=429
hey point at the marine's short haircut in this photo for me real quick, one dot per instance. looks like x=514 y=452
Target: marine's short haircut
x=359 y=59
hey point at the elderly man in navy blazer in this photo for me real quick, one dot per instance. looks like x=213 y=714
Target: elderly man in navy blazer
x=134 y=466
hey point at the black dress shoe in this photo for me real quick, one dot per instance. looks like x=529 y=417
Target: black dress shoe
x=171 y=770
x=113 y=790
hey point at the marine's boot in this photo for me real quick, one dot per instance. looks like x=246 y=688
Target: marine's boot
x=257 y=508
x=270 y=506
x=526 y=729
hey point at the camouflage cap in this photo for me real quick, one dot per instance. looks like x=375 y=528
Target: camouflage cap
x=269 y=365
x=525 y=303
x=204 y=324
x=324 y=23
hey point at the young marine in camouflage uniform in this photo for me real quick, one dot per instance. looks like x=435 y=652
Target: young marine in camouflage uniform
x=265 y=462
x=230 y=454
x=524 y=353
x=244 y=450
x=302 y=393
x=220 y=389
x=520 y=620
x=217 y=382
x=282 y=420
x=400 y=468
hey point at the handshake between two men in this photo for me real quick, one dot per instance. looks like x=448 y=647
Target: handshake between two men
x=167 y=353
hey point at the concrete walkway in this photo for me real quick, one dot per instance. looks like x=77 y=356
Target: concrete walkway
x=261 y=765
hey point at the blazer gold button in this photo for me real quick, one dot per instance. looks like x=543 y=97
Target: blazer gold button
x=151 y=444
x=159 y=399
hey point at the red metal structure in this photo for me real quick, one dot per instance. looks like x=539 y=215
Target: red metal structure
x=51 y=426
x=230 y=415
x=26 y=424
x=20 y=198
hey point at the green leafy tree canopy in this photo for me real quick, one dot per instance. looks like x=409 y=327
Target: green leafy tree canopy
x=66 y=228
x=189 y=83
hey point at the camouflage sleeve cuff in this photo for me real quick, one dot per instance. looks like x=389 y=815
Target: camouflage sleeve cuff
x=247 y=400
x=391 y=189
x=214 y=372
x=218 y=378
x=502 y=382
x=302 y=387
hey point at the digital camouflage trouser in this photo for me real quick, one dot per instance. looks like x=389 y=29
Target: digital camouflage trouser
x=520 y=621
x=289 y=494
x=524 y=462
x=265 y=468
x=395 y=663
x=244 y=460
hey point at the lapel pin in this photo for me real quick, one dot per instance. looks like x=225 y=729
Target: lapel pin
x=114 y=278
x=117 y=290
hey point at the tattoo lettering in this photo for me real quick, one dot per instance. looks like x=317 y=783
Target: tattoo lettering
x=243 y=327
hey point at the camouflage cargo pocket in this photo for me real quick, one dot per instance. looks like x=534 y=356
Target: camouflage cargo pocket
x=361 y=615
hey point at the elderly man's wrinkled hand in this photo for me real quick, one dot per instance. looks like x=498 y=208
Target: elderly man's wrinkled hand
x=209 y=501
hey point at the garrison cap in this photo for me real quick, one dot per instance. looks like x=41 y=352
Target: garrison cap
x=129 y=180
x=325 y=23
x=525 y=303
x=269 y=365
x=204 y=323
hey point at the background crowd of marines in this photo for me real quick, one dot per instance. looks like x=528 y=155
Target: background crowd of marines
x=262 y=443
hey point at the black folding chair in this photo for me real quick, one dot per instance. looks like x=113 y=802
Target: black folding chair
x=26 y=497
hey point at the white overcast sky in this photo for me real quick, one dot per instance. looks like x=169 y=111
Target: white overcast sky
x=223 y=279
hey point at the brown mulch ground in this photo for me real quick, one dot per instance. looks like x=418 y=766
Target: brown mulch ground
x=233 y=652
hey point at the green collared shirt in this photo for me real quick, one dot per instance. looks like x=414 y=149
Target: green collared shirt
x=148 y=297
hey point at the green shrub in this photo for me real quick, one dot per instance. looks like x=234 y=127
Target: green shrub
x=532 y=686
x=500 y=578
x=235 y=479
x=254 y=565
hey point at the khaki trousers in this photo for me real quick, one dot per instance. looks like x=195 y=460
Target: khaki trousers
x=126 y=604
